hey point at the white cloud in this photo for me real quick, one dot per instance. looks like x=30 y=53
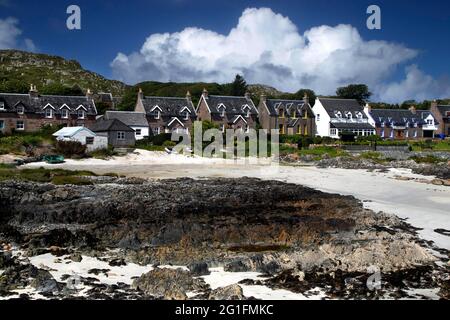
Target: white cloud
x=266 y=48
x=416 y=86
x=10 y=36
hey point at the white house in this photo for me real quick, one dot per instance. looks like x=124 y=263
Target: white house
x=135 y=120
x=82 y=135
x=334 y=116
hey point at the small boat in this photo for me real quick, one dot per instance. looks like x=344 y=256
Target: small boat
x=54 y=159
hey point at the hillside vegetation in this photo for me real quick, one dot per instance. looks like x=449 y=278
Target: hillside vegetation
x=51 y=75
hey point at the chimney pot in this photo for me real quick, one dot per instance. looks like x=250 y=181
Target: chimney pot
x=205 y=93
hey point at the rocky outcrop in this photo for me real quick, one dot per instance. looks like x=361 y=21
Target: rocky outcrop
x=232 y=292
x=168 y=284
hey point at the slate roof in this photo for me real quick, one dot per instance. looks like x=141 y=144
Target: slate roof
x=110 y=125
x=233 y=105
x=170 y=106
x=425 y=114
x=334 y=105
x=38 y=104
x=274 y=106
x=396 y=117
x=130 y=118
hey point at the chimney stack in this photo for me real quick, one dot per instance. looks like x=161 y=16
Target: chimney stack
x=306 y=99
x=188 y=96
x=413 y=109
x=205 y=93
x=140 y=94
x=367 y=109
x=434 y=104
x=263 y=98
x=89 y=94
x=33 y=91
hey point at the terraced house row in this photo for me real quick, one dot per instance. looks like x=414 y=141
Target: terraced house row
x=329 y=117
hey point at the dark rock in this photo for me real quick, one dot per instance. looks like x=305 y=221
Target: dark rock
x=117 y=263
x=237 y=266
x=199 y=269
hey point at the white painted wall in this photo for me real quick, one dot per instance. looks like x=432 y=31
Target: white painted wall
x=144 y=132
x=322 y=124
x=99 y=141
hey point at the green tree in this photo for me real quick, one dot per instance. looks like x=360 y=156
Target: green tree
x=238 y=87
x=359 y=92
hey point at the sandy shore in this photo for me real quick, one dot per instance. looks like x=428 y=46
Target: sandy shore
x=425 y=206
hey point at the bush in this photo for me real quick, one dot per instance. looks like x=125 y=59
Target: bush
x=169 y=144
x=159 y=139
x=70 y=148
x=103 y=153
x=427 y=159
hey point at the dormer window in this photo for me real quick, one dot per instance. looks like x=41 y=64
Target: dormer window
x=64 y=113
x=338 y=114
x=157 y=114
x=20 y=110
x=186 y=115
x=222 y=109
x=49 y=113
x=359 y=115
x=81 y=114
x=349 y=115
x=247 y=115
x=2 y=105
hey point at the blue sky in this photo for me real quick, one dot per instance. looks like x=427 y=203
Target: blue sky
x=416 y=31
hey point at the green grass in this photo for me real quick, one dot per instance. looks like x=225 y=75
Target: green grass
x=427 y=159
x=56 y=176
x=443 y=145
x=319 y=152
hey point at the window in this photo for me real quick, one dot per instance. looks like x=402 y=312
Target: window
x=349 y=115
x=157 y=130
x=407 y=133
x=382 y=133
x=318 y=117
x=89 y=140
x=2 y=105
x=157 y=114
x=359 y=115
x=80 y=114
x=20 y=125
x=2 y=124
x=138 y=132
x=247 y=128
x=281 y=129
x=333 y=132
x=20 y=110
x=299 y=129
x=338 y=114
x=48 y=113
x=186 y=115
x=247 y=115
x=120 y=135
x=65 y=113
x=281 y=113
x=222 y=127
x=415 y=133
x=430 y=122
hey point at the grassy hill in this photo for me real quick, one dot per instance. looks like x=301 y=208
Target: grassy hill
x=51 y=74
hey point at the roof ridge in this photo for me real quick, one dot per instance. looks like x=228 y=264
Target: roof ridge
x=164 y=97
x=337 y=99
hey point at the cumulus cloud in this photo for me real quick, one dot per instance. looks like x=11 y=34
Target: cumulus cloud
x=266 y=48
x=416 y=86
x=10 y=36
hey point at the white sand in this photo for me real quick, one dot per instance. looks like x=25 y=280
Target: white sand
x=425 y=206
